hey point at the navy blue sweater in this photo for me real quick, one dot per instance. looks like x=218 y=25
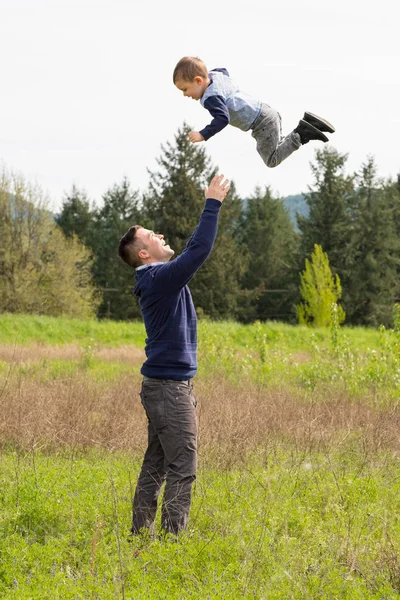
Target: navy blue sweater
x=167 y=307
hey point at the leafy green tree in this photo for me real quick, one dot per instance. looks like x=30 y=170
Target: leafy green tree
x=41 y=271
x=172 y=206
x=319 y=290
x=374 y=285
x=268 y=234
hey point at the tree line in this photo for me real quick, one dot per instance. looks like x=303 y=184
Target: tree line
x=254 y=270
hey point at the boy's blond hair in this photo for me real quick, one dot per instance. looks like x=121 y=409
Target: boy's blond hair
x=190 y=67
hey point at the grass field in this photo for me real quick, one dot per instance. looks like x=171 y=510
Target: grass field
x=299 y=464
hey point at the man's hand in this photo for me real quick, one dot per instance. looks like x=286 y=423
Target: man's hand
x=218 y=188
x=195 y=136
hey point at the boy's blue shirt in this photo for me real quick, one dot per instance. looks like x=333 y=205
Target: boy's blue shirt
x=167 y=307
x=227 y=104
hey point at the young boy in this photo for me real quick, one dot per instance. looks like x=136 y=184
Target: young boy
x=227 y=104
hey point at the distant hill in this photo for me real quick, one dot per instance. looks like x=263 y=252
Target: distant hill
x=293 y=204
x=296 y=204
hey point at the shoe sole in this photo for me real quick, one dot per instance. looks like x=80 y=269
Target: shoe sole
x=319 y=123
x=318 y=135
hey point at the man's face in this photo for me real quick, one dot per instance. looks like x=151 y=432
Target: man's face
x=192 y=89
x=156 y=249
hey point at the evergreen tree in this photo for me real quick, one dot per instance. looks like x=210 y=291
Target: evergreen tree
x=217 y=286
x=173 y=206
x=175 y=197
x=120 y=210
x=391 y=190
x=374 y=285
x=76 y=216
x=319 y=290
x=329 y=222
x=272 y=243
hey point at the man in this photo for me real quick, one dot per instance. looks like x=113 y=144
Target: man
x=171 y=351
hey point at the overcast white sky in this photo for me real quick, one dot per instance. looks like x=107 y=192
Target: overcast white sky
x=87 y=94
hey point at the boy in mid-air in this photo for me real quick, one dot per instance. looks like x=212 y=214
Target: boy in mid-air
x=227 y=104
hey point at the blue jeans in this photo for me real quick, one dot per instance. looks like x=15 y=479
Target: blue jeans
x=171 y=455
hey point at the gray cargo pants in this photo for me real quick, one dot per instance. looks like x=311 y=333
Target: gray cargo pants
x=171 y=455
x=271 y=146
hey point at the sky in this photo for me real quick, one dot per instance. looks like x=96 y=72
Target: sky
x=87 y=96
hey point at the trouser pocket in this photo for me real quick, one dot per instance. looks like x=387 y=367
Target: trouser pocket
x=154 y=403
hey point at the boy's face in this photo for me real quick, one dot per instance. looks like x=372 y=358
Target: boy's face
x=192 y=89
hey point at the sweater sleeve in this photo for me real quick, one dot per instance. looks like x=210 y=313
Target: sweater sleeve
x=216 y=106
x=177 y=273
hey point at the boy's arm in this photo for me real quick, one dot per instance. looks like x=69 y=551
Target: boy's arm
x=216 y=106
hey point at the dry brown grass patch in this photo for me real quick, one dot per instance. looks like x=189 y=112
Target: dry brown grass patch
x=35 y=352
x=233 y=420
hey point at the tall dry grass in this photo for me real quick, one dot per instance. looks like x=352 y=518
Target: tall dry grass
x=19 y=354
x=79 y=412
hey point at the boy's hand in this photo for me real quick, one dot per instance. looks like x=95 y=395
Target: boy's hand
x=195 y=136
x=218 y=188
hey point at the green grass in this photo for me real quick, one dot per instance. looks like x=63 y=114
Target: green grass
x=357 y=361
x=307 y=518
x=25 y=329
x=287 y=524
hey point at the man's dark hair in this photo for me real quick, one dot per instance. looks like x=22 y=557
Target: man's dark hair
x=129 y=246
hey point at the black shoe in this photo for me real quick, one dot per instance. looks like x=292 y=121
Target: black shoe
x=319 y=123
x=308 y=132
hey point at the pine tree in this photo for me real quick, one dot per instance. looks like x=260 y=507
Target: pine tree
x=319 y=290
x=272 y=243
x=175 y=196
x=374 y=285
x=329 y=222
x=120 y=210
x=391 y=190
x=172 y=206
x=77 y=216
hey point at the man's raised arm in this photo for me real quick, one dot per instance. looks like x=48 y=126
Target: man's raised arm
x=181 y=270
